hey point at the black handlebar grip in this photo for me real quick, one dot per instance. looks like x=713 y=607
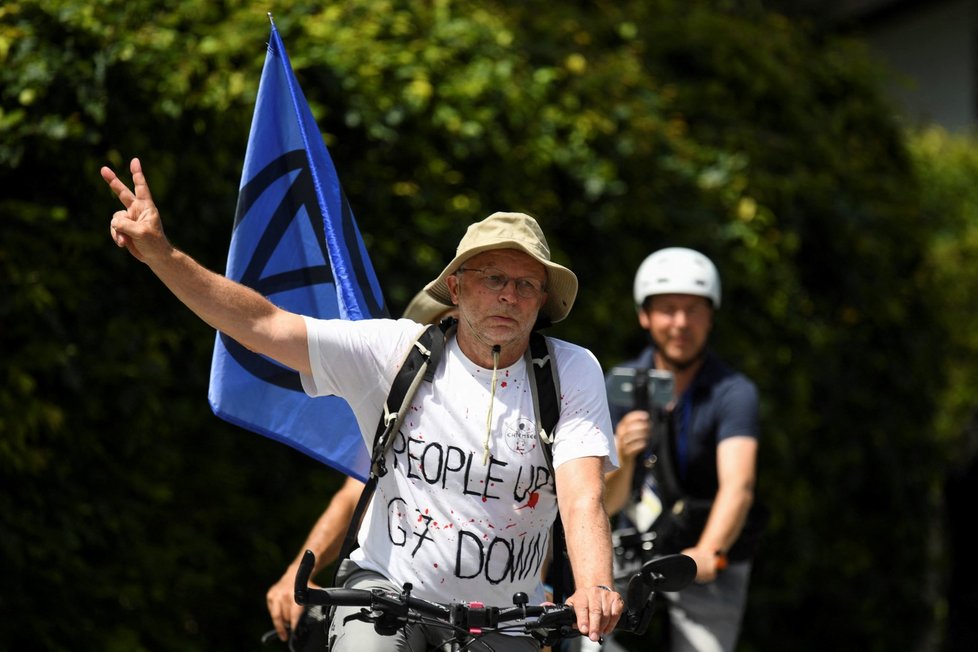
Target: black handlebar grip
x=302 y=576
x=342 y=597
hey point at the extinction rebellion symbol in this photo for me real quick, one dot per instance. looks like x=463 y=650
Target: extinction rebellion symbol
x=300 y=195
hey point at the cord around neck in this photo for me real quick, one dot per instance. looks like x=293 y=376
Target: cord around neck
x=492 y=399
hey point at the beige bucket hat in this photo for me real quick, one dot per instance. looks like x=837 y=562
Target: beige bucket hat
x=512 y=231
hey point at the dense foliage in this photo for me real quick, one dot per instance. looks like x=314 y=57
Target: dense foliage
x=133 y=519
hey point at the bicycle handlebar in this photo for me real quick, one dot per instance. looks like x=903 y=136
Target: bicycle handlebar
x=389 y=611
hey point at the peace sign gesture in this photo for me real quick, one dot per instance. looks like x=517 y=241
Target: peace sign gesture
x=138 y=227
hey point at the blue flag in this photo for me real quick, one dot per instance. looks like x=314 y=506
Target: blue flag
x=296 y=242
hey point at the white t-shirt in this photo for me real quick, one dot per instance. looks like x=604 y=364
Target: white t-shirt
x=456 y=528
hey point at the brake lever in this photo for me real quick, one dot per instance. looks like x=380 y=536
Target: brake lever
x=554 y=624
x=364 y=615
x=555 y=616
x=394 y=613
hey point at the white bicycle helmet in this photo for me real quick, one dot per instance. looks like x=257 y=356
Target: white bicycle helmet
x=677 y=270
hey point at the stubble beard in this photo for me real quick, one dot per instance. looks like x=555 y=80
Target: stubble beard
x=676 y=364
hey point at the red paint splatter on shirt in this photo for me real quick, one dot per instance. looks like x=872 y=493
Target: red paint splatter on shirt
x=532 y=501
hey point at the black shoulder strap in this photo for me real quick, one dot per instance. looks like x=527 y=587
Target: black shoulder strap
x=419 y=365
x=547 y=385
x=663 y=432
x=545 y=389
x=664 y=468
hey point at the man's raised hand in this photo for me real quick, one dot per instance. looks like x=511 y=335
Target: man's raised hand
x=138 y=227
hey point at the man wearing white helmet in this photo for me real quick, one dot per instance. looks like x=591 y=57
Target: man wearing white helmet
x=693 y=462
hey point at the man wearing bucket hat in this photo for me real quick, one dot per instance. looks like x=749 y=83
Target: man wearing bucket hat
x=465 y=509
x=689 y=481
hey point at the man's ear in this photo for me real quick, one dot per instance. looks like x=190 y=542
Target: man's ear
x=643 y=318
x=453 y=288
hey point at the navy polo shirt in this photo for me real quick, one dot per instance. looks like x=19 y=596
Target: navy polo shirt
x=721 y=402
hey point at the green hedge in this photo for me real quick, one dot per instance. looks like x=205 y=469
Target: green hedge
x=136 y=520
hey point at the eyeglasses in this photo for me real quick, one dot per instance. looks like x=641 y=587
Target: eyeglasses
x=494 y=279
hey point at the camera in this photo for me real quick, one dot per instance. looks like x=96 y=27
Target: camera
x=640 y=389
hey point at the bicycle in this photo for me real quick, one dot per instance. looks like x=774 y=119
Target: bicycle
x=547 y=623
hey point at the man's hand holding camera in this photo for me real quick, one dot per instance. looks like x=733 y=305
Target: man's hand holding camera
x=632 y=435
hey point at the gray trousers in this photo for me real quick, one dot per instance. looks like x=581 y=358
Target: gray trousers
x=702 y=617
x=358 y=636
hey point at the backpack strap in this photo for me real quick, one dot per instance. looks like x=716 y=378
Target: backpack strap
x=539 y=356
x=546 y=385
x=419 y=365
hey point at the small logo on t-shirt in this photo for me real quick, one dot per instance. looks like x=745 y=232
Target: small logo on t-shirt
x=521 y=438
